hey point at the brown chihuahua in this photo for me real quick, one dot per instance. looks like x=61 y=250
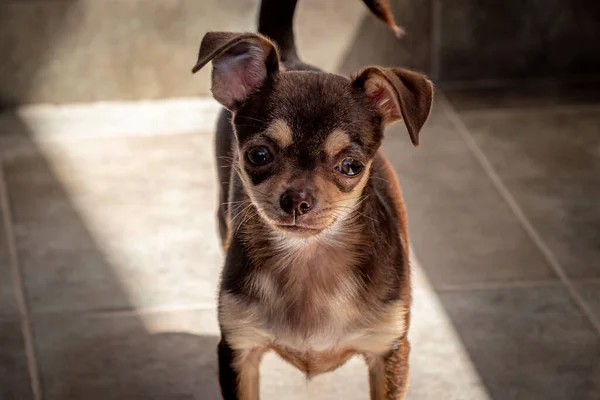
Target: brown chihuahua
x=311 y=215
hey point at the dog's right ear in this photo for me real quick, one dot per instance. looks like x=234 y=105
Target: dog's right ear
x=397 y=94
x=242 y=62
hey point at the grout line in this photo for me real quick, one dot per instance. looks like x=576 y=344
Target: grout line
x=20 y=289
x=125 y=312
x=522 y=110
x=496 y=285
x=493 y=83
x=151 y=310
x=518 y=212
x=585 y=281
x=106 y=135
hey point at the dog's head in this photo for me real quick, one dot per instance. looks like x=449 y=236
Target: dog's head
x=306 y=140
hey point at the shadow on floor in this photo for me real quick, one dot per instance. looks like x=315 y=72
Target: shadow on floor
x=74 y=349
x=510 y=333
x=160 y=366
x=50 y=230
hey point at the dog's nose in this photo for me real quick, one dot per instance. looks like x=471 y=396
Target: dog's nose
x=296 y=201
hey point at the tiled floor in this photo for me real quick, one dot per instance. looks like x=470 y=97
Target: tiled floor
x=108 y=235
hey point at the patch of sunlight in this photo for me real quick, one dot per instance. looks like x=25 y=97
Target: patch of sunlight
x=440 y=365
x=140 y=204
x=117 y=119
x=145 y=192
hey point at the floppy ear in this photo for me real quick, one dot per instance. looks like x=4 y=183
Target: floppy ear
x=242 y=62
x=397 y=94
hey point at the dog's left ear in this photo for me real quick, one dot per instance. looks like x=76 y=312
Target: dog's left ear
x=397 y=94
x=242 y=62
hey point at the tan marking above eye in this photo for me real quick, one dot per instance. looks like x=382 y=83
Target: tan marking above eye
x=280 y=132
x=337 y=141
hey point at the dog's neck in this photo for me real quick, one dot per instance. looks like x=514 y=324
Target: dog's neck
x=310 y=277
x=339 y=245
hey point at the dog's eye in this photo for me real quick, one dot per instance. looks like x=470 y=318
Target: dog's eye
x=259 y=156
x=350 y=167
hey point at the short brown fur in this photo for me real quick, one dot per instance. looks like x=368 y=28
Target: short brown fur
x=311 y=215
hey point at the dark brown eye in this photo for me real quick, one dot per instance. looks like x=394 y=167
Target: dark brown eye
x=350 y=167
x=259 y=156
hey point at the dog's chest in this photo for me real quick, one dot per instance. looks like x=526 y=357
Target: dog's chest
x=307 y=306
x=313 y=285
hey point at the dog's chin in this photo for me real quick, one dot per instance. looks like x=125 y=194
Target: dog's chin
x=298 y=230
x=305 y=226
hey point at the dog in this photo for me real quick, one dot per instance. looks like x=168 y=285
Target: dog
x=311 y=215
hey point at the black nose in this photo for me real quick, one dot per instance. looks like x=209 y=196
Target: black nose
x=296 y=201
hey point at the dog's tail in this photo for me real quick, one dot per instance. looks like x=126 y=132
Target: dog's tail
x=382 y=10
x=276 y=20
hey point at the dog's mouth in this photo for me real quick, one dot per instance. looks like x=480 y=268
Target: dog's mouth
x=299 y=229
x=303 y=225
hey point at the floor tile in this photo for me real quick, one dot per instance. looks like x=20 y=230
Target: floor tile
x=8 y=305
x=527 y=343
x=13 y=131
x=550 y=162
x=433 y=343
x=162 y=356
x=590 y=292
x=461 y=229
x=14 y=376
x=105 y=224
x=515 y=96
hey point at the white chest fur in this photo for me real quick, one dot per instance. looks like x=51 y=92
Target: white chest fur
x=307 y=301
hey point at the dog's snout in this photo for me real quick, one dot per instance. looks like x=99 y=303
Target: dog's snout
x=296 y=201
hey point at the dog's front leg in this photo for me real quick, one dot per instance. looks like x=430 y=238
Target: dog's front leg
x=239 y=372
x=388 y=373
